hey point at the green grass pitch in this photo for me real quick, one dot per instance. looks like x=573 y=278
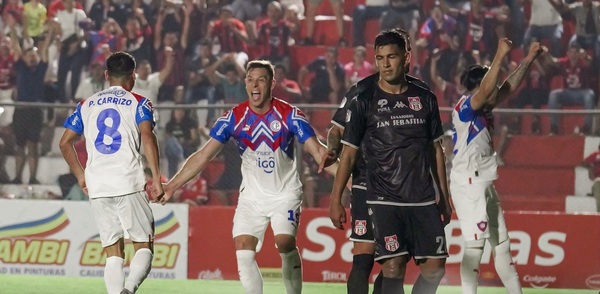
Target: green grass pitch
x=54 y=285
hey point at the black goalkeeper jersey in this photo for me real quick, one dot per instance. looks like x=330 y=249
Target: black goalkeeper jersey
x=359 y=173
x=396 y=132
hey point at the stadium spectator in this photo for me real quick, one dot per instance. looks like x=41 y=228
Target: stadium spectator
x=273 y=36
x=371 y=9
x=359 y=68
x=137 y=39
x=286 y=89
x=104 y=10
x=105 y=41
x=72 y=55
x=450 y=88
x=402 y=14
x=574 y=68
x=587 y=22
x=230 y=83
x=439 y=31
x=138 y=8
x=231 y=34
x=311 y=13
x=7 y=82
x=93 y=84
x=545 y=25
x=30 y=69
x=480 y=33
x=181 y=138
x=246 y=10
x=328 y=82
x=178 y=42
x=34 y=17
x=265 y=196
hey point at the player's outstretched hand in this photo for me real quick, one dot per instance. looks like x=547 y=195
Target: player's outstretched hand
x=337 y=214
x=328 y=158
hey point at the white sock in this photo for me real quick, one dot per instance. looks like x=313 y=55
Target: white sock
x=249 y=273
x=140 y=266
x=292 y=271
x=505 y=268
x=469 y=269
x=114 y=277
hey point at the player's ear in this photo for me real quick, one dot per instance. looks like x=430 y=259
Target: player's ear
x=407 y=57
x=106 y=75
x=273 y=83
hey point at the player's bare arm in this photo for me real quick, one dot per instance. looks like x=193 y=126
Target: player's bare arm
x=194 y=165
x=67 y=148
x=514 y=80
x=337 y=212
x=442 y=182
x=334 y=138
x=488 y=86
x=151 y=151
x=326 y=161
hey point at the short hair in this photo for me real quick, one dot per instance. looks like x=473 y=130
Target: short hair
x=472 y=76
x=391 y=37
x=404 y=33
x=120 y=64
x=261 y=64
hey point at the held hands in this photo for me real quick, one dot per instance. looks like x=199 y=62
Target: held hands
x=337 y=214
x=157 y=192
x=328 y=158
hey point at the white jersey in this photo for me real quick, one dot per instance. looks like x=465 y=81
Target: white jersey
x=109 y=121
x=266 y=144
x=474 y=157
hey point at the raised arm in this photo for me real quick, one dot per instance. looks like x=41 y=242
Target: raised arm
x=514 y=80
x=166 y=70
x=194 y=165
x=435 y=76
x=158 y=28
x=488 y=86
x=318 y=151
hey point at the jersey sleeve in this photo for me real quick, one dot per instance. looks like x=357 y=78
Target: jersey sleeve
x=145 y=112
x=356 y=122
x=465 y=110
x=339 y=118
x=222 y=129
x=299 y=125
x=435 y=128
x=74 y=121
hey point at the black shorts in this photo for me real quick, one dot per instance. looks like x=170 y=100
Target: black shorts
x=362 y=227
x=416 y=231
x=27 y=125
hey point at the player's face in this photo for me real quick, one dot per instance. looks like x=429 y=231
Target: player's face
x=391 y=62
x=258 y=86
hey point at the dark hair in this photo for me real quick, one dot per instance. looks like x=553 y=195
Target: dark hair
x=261 y=64
x=472 y=76
x=391 y=37
x=120 y=64
x=406 y=37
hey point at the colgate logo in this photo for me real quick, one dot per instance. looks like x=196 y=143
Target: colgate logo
x=593 y=282
x=539 y=281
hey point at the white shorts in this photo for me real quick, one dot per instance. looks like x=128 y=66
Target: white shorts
x=478 y=209
x=253 y=217
x=128 y=214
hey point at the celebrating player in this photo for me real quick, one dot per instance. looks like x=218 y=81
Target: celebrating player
x=264 y=128
x=113 y=121
x=362 y=233
x=474 y=168
x=399 y=127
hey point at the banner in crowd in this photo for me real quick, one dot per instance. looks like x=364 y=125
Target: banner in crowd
x=550 y=250
x=60 y=238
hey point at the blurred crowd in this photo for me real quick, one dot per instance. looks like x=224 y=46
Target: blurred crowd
x=194 y=52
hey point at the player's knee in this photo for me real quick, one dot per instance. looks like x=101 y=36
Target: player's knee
x=433 y=273
x=245 y=242
x=285 y=244
x=394 y=268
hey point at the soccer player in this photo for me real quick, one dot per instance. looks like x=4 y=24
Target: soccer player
x=398 y=124
x=113 y=121
x=362 y=233
x=264 y=128
x=474 y=167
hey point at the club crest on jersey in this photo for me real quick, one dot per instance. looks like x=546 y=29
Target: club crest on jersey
x=415 y=103
x=360 y=227
x=482 y=226
x=275 y=126
x=391 y=243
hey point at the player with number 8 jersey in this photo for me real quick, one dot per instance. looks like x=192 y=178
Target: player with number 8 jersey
x=116 y=124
